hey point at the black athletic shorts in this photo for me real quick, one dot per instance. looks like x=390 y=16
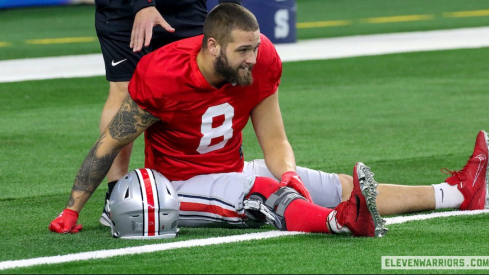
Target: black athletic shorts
x=113 y=23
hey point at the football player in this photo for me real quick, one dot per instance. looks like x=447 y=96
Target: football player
x=192 y=99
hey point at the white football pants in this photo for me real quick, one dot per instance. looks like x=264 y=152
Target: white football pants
x=217 y=199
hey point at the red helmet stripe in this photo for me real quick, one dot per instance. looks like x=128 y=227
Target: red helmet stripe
x=150 y=197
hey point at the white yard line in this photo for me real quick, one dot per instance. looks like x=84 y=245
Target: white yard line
x=420 y=217
x=102 y=254
x=379 y=44
x=328 y=48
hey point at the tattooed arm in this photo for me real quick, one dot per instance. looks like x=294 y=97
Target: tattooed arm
x=128 y=123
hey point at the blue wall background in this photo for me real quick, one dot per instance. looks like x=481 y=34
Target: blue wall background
x=33 y=3
x=277 y=18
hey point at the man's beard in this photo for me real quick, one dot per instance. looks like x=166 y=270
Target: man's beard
x=222 y=67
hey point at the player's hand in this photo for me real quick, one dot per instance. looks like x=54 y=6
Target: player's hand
x=292 y=180
x=66 y=222
x=142 y=29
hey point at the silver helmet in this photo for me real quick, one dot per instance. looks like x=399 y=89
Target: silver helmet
x=143 y=205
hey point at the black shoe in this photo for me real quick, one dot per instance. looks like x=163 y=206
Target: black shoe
x=104 y=218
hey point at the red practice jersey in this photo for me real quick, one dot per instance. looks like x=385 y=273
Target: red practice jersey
x=200 y=127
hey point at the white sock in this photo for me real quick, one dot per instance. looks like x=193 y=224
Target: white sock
x=447 y=196
x=334 y=226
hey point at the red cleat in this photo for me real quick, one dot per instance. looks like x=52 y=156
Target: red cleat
x=472 y=179
x=359 y=213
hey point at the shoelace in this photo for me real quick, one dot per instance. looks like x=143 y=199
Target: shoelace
x=459 y=173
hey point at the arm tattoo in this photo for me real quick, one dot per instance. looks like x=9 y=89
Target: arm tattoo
x=126 y=122
x=93 y=171
x=124 y=127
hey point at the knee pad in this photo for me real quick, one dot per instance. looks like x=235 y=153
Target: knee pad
x=274 y=207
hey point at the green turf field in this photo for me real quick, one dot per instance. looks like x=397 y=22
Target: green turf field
x=404 y=115
x=68 y=30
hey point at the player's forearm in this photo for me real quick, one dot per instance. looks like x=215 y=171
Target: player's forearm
x=128 y=123
x=92 y=172
x=279 y=158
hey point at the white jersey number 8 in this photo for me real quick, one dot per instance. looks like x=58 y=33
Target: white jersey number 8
x=224 y=130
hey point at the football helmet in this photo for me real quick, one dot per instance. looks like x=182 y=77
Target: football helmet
x=143 y=205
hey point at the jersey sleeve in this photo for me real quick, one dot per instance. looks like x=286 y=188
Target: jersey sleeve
x=272 y=67
x=140 y=87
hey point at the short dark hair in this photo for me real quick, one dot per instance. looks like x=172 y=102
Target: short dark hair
x=223 y=19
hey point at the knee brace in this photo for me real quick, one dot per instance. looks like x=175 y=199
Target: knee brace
x=274 y=207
